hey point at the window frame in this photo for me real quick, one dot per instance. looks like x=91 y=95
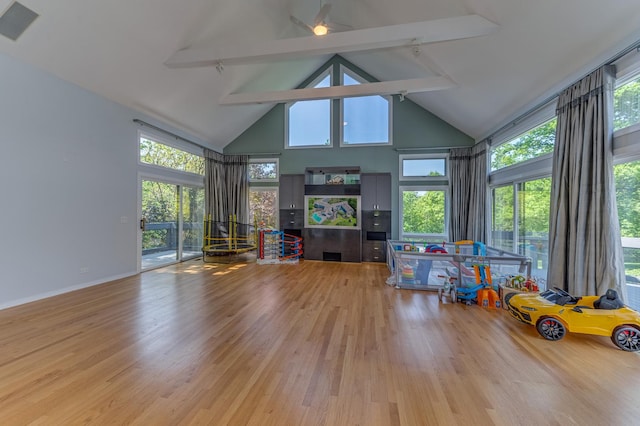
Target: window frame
x=447 y=207
x=346 y=70
x=287 y=107
x=265 y=161
x=403 y=177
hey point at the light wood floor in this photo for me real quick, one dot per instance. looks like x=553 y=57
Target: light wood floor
x=308 y=344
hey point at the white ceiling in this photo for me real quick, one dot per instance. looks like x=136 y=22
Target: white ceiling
x=118 y=48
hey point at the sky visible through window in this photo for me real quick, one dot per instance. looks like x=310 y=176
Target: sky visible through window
x=423 y=167
x=366 y=119
x=310 y=121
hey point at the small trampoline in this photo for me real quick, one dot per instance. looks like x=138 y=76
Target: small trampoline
x=227 y=238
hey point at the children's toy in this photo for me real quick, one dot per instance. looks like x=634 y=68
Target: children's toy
x=277 y=247
x=483 y=292
x=448 y=288
x=554 y=312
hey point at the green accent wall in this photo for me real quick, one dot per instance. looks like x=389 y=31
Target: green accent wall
x=414 y=128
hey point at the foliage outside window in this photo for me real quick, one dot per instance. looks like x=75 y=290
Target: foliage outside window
x=159 y=154
x=263 y=170
x=263 y=207
x=309 y=122
x=423 y=166
x=627 y=177
x=534 y=202
x=161 y=209
x=424 y=212
x=159 y=206
x=626 y=105
x=532 y=144
x=502 y=222
x=530 y=217
x=365 y=119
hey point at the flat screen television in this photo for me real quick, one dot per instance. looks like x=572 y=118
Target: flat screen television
x=332 y=211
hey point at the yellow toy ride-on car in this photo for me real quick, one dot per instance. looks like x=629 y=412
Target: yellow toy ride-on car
x=554 y=312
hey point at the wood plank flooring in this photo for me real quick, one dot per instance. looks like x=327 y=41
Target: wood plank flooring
x=308 y=344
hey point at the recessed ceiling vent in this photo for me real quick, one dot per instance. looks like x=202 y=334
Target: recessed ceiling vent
x=15 y=20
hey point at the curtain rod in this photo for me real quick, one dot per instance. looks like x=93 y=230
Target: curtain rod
x=144 y=123
x=537 y=107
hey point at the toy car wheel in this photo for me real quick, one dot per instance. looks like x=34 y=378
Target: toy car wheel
x=626 y=338
x=551 y=328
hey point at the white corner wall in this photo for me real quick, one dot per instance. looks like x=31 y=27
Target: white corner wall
x=68 y=168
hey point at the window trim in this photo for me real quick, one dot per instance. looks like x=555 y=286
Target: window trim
x=447 y=207
x=403 y=177
x=346 y=70
x=265 y=160
x=288 y=105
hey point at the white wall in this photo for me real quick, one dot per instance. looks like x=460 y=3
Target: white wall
x=68 y=169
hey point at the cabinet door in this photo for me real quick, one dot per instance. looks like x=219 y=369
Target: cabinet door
x=297 y=191
x=383 y=191
x=376 y=191
x=291 y=191
x=368 y=183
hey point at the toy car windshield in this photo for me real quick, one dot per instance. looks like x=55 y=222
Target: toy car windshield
x=559 y=298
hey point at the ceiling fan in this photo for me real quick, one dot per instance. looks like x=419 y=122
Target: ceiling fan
x=320 y=25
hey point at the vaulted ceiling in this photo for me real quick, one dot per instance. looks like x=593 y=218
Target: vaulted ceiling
x=120 y=49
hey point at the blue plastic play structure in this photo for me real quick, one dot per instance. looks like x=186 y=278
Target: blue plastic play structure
x=483 y=292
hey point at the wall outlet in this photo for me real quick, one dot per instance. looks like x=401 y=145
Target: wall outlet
x=124 y=219
x=84 y=269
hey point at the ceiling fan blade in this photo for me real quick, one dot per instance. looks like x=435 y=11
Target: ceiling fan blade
x=300 y=23
x=322 y=14
x=336 y=27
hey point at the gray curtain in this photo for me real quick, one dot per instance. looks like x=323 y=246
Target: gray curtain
x=226 y=186
x=585 y=250
x=468 y=185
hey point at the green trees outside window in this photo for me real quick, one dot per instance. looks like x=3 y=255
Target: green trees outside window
x=423 y=212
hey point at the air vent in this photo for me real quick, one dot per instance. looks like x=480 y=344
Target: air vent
x=16 y=20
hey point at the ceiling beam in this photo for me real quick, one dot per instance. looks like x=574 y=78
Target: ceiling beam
x=395 y=87
x=411 y=34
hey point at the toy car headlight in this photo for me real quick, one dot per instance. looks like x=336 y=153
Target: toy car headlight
x=528 y=308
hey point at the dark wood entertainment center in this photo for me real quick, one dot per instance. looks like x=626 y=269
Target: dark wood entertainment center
x=364 y=244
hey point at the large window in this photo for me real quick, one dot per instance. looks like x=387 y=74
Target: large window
x=531 y=144
x=424 y=213
x=357 y=121
x=627 y=177
x=520 y=182
x=520 y=221
x=365 y=119
x=157 y=153
x=308 y=123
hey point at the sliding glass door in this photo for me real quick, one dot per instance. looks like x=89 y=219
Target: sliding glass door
x=171 y=224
